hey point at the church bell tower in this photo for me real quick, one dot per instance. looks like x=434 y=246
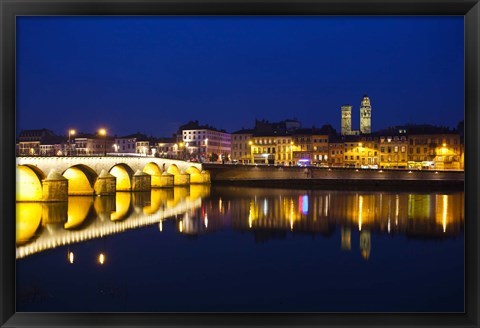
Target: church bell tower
x=365 y=116
x=346 y=120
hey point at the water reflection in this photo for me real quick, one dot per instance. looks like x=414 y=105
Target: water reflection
x=267 y=213
x=42 y=226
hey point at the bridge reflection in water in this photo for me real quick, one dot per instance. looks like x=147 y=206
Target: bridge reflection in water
x=268 y=213
x=42 y=226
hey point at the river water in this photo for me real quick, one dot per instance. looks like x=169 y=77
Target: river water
x=235 y=249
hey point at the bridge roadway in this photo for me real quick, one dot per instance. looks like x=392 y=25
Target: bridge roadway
x=52 y=178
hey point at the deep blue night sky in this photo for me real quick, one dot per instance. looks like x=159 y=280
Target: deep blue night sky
x=152 y=74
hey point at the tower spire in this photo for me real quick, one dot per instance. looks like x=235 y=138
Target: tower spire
x=365 y=115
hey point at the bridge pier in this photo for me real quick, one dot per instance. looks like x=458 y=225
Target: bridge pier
x=55 y=187
x=141 y=181
x=105 y=184
x=181 y=179
x=166 y=180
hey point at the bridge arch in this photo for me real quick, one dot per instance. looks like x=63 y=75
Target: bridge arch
x=81 y=179
x=155 y=173
x=124 y=174
x=173 y=169
x=152 y=169
x=29 y=183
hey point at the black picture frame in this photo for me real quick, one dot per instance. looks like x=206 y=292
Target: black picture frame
x=9 y=9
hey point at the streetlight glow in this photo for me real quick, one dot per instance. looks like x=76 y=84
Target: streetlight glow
x=71 y=132
x=103 y=133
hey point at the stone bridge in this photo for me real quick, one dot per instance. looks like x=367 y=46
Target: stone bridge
x=53 y=178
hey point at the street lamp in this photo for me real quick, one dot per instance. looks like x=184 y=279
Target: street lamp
x=71 y=132
x=103 y=133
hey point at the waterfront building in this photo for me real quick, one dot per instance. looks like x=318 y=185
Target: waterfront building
x=93 y=144
x=166 y=148
x=303 y=147
x=272 y=143
x=432 y=147
x=393 y=148
x=368 y=150
x=40 y=142
x=352 y=148
x=203 y=142
x=241 y=146
x=125 y=145
x=137 y=143
x=284 y=152
x=336 y=148
x=320 y=141
x=264 y=149
x=311 y=145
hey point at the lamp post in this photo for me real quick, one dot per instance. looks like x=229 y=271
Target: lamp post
x=103 y=133
x=71 y=132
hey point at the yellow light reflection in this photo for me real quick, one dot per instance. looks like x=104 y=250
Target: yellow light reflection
x=78 y=209
x=445 y=208
x=360 y=211
x=180 y=226
x=122 y=205
x=292 y=214
x=28 y=219
x=101 y=258
x=70 y=257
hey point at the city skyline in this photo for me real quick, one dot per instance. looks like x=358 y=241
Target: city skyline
x=157 y=73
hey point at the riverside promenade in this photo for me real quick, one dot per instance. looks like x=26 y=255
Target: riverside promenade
x=342 y=178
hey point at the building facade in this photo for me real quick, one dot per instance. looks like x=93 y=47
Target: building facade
x=41 y=142
x=441 y=151
x=241 y=146
x=336 y=150
x=93 y=145
x=204 y=143
x=393 y=149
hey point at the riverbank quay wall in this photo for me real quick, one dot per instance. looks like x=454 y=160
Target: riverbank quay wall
x=338 y=178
